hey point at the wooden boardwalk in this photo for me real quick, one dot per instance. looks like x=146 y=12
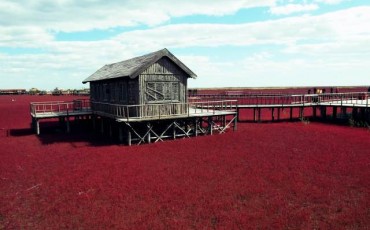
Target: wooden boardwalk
x=217 y=115
x=58 y=109
x=199 y=118
x=277 y=102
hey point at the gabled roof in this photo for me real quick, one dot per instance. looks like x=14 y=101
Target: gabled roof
x=135 y=66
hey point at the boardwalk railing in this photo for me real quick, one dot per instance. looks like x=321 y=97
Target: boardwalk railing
x=355 y=98
x=51 y=107
x=165 y=110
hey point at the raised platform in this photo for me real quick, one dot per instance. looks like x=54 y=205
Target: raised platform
x=143 y=123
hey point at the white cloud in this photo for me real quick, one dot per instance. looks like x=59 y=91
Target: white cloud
x=288 y=31
x=30 y=36
x=293 y=8
x=333 y=45
x=83 y=15
x=329 y=2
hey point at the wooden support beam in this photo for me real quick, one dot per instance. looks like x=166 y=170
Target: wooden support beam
x=323 y=112
x=363 y=114
x=301 y=112
x=37 y=127
x=195 y=127
x=33 y=124
x=314 y=111
x=254 y=115
x=93 y=117
x=102 y=125
x=291 y=113
x=278 y=114
x=210 y=126
x=235 y=124
x=335 y=112
x=128 y=136
x=148 y=138
x=173 y=131
x=272 y=114
x=259 y=111
x=120 y=133
x=110 y=128
x=68 y=125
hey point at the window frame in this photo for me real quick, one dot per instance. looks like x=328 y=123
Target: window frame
x=167 y=86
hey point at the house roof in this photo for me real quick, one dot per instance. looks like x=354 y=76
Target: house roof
x=135 y=66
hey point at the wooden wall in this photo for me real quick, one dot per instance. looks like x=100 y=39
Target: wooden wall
x=122 y=91
x=163 y=82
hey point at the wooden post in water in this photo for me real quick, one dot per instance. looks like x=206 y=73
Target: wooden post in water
x=278 y=113
x=272 y=114
x=291 y=113
x=314 y=111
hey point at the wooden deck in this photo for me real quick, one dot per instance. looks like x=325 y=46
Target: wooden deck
x=277 y=102
x=55 y=109
x=129 y=114
x=194 y=113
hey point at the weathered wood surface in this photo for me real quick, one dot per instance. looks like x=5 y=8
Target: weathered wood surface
x=162 y=82
x=60 y=108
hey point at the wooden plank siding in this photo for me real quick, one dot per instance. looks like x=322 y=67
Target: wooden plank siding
x=161 y=83
x=164 y=71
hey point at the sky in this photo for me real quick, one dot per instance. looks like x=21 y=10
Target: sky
x=227 y=43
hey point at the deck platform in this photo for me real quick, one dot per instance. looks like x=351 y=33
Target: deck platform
x=154 y=122
x=198 y=119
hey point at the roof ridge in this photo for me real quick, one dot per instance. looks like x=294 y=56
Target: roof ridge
x=134 y=66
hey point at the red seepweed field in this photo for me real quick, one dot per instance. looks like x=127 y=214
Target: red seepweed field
x=270 y=175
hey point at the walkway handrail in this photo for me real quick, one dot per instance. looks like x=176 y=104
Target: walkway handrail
x=294 y=99
x=49 y=107
x=162 y=110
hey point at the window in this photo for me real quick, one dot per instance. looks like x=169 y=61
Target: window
x=162 y=91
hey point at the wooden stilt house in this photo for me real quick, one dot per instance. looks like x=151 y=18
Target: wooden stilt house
x=142 y=87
